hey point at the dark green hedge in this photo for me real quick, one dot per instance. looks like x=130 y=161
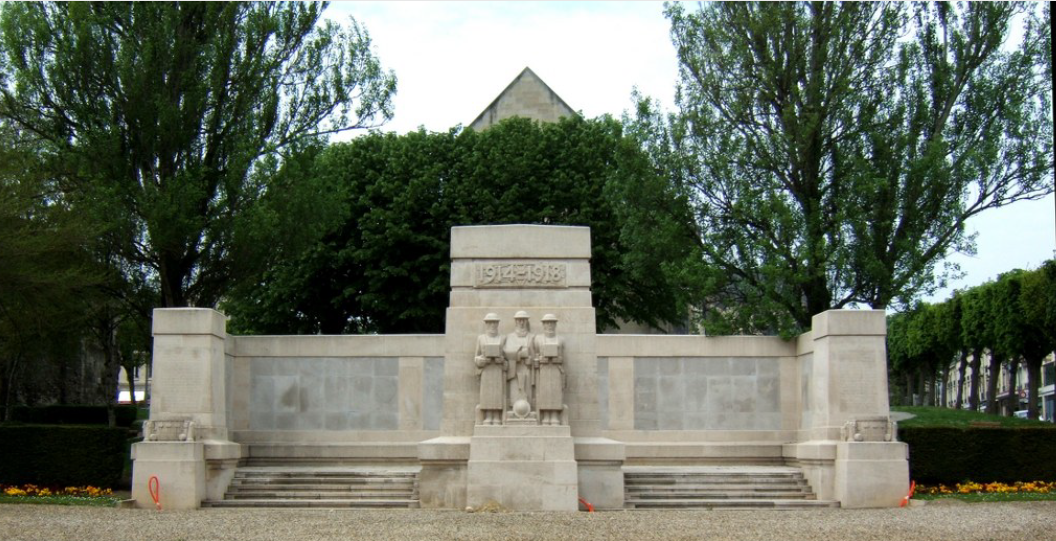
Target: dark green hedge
x=72 y=415
x=55 y=455
x=952 y=455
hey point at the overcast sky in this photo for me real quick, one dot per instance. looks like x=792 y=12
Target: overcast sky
x=453 y=58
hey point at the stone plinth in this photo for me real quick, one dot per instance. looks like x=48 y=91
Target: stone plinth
x=187 y=443
x=523 y=468
x=871 y=474
x=180 y=469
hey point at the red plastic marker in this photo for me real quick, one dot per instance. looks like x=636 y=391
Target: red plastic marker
x=912 y=488
x=155 y=490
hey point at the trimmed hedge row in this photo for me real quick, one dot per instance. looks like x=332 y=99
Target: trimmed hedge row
x=62 y=455
x=72 y=415
x=1006 y=455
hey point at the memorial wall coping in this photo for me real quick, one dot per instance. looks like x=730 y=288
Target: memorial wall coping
x=534 y=241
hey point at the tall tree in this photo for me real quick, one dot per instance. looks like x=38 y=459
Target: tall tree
x=156 y=115
x=47 y=273
x=1037 y=304
x=976 y=334
x=836 y=150
x=384 y=266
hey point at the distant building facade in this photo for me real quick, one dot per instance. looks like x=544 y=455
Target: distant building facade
x=1009 y=399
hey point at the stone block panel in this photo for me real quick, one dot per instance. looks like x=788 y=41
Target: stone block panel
x=335 y=394
x=697 y=393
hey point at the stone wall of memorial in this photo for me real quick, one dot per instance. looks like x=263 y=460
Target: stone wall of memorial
x=335 y=384
x=649 y=385
x=818 y=402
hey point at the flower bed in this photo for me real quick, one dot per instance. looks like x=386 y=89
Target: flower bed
x=971 y=487
x=83 y=495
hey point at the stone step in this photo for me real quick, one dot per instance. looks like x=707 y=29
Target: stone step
x=327 y=503
x=704 y=486
x=696 y=503
x=308 y=495
x=675 y=480
x=719 y=495
x=715 y=490
x=321 y=487
x=715 y=475
x=722 y=487
x=324 y=475
x=338 y=481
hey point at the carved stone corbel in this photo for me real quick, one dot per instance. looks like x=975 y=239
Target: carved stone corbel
x=173 y=430
x=874 y=428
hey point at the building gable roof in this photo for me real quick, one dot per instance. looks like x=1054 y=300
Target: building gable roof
x=526 y=96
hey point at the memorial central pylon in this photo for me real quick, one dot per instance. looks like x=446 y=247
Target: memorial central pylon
x=519 y=394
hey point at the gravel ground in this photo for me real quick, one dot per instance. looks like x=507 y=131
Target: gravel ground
x=965 y=522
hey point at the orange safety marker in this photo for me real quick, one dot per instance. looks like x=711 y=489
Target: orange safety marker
x=155 y=490
x=590 y=508
x=912 y=488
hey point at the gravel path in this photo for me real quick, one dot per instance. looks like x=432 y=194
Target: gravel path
x=1025 y=521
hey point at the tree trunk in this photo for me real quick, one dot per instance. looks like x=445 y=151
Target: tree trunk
x=993 y=371
x=1033 y=382
x=909 y=389
x=4 y=384
x=1012 y=399
x=111 y=366
x=945 y=400
x=929 y=387
x=64 y=377
x=7 y=384
x=961 y=369
x=130 y=377
x=973 y=396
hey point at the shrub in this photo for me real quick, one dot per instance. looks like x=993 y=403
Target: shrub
x=72 y=415
x=1006 y=455
x=62 y=455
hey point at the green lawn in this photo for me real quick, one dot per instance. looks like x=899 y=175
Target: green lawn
x=104 y=501
x=933 y=416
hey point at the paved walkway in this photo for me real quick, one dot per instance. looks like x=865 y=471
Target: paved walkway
x=1031 y=521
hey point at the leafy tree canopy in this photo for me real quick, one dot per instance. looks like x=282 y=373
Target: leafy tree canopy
x=155 y=116
x=834 y=151
x=385 y=265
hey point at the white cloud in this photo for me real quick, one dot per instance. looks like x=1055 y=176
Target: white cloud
x=453 y=58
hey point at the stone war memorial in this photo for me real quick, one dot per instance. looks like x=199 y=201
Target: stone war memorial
x=520 y=403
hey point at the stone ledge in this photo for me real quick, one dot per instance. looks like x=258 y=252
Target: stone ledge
x=599 y=449
x=444 y=449
x=189 y=321
x=222 y=450
x=343 y=346
x=849 y=323
x=532 y=241
x=817 y=450
x=641 y=450
x=653 y=345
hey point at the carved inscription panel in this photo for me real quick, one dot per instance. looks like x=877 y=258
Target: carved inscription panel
x=529 y=275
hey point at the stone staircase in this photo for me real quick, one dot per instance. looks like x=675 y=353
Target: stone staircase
x=647 y=487
x=332 y=487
